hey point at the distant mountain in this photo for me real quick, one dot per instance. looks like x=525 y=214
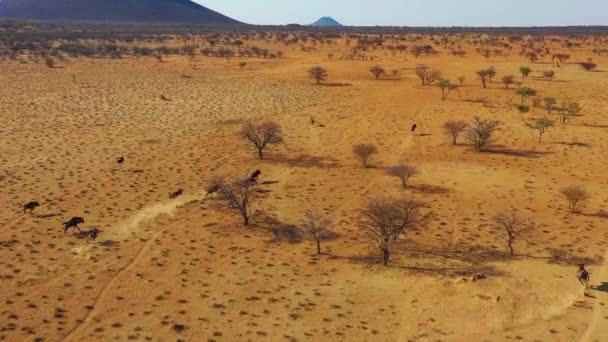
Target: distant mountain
x=173 y=11
x=326 y=21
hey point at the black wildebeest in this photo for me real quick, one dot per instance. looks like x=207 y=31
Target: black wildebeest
x=30 y=206
x=90 y=234
x=254 y=176
x=414 y=126
x=120 y=160
x=174 y=195
x=583 y=275
x=72 y=223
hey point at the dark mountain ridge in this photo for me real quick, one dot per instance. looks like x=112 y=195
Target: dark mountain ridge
x=170 y=11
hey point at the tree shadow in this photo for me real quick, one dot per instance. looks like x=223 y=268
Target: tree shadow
x=335 y=84
x=108 y=243
x=44 y=216
x=602 y=288
x=518 y=153
x=307 y=161
x=430 y=189
x=281 y=231
x=434 y=262
x=599 y=214
x=590 y=125
x=573 y=144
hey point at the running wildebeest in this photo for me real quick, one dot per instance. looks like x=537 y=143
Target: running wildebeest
x=583 y=275
x=254 y=176
x=120 y=160
x=90 y=234
x=30 y=206
x=174 y=195
x=312 y=120
x=72 y=223
x=414 y=126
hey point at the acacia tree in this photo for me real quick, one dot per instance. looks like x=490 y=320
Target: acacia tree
x=561 y=58
x=525 y=72
x=237 y=194
x=588 y=66
x=363 y=152
x=454 y=128
x=377 y=71
x=402 y=171
x=421 y=72
x=549 y=75
x=446 y=87
x=568 y=110
x=515 y=226
x=318 y=73
x=525 y=93
x=50 y=62
x=576 y=196
x=315 y=227
x=550 y=103
x=491 y=73
x=508 y=80
x=262 y=135
x=542 y=125
x=481 y=131
x=426 y=75
x=384 y=220
x=483 y=75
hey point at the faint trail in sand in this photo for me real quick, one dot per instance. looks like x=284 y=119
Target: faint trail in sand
x=151 y=212
x=104 y=291
x=13 y=222
x=602 y=274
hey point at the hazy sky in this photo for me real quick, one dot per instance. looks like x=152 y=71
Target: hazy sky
x=417 y=12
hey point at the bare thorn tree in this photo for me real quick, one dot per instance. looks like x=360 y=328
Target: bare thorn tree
x=377 y=71
x=508 y=80
x=384 y=220
x=525 y=93
x=403 y=171
x=318 y=73
x=315 y=227
x=364 y=152
x=454 y=128
x=568 y=110
x=483 y=75
x=262 y=135
x=481 y=131
x=237 y=194
x=576 y=196
x=446 y=87
x=515 y=226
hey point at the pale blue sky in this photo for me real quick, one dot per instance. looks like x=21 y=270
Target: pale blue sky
x=417 y=12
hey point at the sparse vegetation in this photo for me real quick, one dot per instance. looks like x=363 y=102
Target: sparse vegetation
x=384 y=220
x=262 y=135
x=542 y=125
x=377 y=71
x=404 y=172
x=576 y=196
x=507 y=80
x=525 y=93
x=515 y=226
x=315 y=226
x=480 y=132
x=454 y=128
x=237 y=194
x=525 y=71
x=446 y=87
x=363 y=152
x=319 y=74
